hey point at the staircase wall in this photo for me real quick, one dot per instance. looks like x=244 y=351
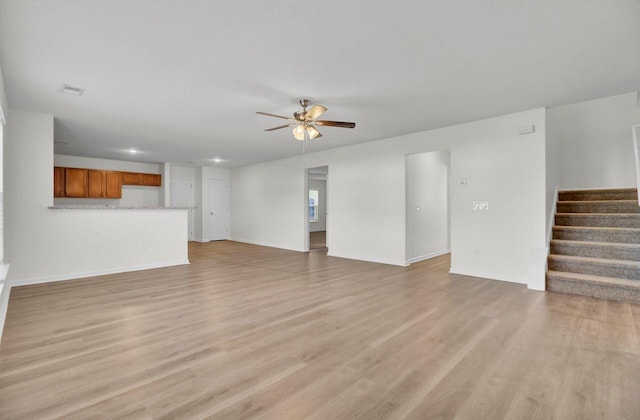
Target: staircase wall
x=589 y=145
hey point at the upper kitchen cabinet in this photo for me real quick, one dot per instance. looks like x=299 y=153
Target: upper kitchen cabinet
x=58 y=182
x=151 y=180
x=114 y=184
x=76 y=182
x=135 y=178
x=97 y=183
x=131 y=178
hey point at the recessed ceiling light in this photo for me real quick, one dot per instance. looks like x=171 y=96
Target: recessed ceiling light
x=71 y=90
x=133 y=151
x=216 y=160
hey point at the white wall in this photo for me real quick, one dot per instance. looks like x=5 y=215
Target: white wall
x=593 y=143
x=268 y=202
x=132 y=195
x=44 y=244
x=508 y=172
x=4 y=103
x=4 y=291
x=505 y=169
x=182 y=172
x=321 y=186
x=427 y=205
x=164 y=195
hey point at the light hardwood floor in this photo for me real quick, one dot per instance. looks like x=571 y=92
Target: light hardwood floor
x=318 y=240
x=254 y=332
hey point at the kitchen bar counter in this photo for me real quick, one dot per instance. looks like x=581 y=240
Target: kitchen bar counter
x=115 y=208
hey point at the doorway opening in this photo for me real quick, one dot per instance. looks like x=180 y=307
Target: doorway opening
x=316 y=209
x=218 y=209
x=427 y=205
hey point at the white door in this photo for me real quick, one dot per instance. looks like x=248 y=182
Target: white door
x=218 y=209
x=182 y=196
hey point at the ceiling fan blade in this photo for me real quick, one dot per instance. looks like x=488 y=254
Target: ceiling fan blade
x=274 y=115
x=313 y=132
x=335 y=124
x=315 y=112
x=279 y=127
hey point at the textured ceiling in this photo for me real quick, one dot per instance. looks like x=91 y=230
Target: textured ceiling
x=181 y=80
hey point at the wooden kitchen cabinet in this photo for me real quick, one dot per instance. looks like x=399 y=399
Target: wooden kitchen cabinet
x=114 y=184
x=76 y=182
x=131 y=178
x=136 y=178
x=151 y=180
x=105 y=184
x=97 y=183
x=58 y=182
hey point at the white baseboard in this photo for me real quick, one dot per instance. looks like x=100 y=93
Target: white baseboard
x=371 y=260
x=485 y=275
x=72 y=276
x=427 y=256
x=270 y=245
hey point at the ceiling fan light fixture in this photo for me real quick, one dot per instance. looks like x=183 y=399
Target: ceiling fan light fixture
x=304 y=121
x=298 y=132
x=313 y=132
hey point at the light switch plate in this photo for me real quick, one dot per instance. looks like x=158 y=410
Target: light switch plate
x=480 y=205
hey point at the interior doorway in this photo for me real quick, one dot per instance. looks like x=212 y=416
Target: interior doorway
x=316 y=209
x=427 y=205
x=218 y=209
x=181 y=195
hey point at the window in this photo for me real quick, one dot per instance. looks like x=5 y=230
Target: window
x=313 y=205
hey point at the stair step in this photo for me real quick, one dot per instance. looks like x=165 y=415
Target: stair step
x=599 y=194
x=597 y=234
x=595 y=286
x=595 y=266
x=596 y=249
x=601 y=206
x=628 y=220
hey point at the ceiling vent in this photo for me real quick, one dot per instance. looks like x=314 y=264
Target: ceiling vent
x=71 y=90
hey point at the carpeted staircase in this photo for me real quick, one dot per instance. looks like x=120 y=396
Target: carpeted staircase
x=595 y=250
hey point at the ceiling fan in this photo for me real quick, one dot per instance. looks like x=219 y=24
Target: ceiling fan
x=304 y=121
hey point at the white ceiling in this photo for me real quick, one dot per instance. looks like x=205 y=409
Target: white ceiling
x=181 y=80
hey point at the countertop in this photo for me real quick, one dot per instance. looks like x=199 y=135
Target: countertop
x=76 y=207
